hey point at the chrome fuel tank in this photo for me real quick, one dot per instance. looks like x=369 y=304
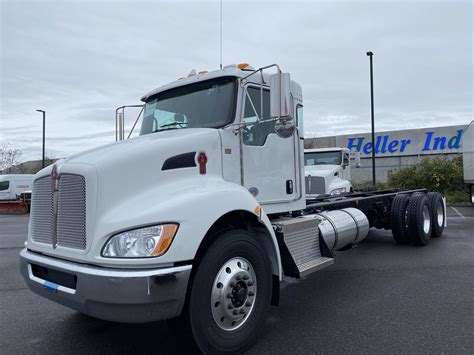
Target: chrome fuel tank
x=342 y=228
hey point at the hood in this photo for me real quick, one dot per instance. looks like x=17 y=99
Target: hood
x=158 y=145
x=321 y=170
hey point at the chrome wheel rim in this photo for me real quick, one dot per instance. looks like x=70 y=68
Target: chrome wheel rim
x=426 y=219
x=440 y=213
x=233 y=294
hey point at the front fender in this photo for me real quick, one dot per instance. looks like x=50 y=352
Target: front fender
x=338 y=184
x=195 y=207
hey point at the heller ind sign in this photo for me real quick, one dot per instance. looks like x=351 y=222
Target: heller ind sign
x=407 y=142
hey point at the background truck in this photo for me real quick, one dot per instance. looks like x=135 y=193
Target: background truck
x=198 y=219
x=328 y=171
x=14 y=189
x=12 y=185
x=468 y=158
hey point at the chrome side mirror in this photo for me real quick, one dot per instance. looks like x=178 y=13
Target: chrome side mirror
x=280 y=104
x=285 y=127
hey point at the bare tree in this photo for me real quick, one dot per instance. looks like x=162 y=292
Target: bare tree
x=9 y=156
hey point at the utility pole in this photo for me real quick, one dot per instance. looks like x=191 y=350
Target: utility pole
x=44 y=131
x=370 y=54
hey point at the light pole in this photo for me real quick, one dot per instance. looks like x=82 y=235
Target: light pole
x=44 y=130
x=370 y=54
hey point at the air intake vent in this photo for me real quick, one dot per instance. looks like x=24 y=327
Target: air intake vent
x=71 y=220
x=42 y=213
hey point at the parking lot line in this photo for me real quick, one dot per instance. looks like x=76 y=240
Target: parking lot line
x=457 y=212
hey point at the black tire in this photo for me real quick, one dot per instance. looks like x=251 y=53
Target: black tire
x=207 y=333
x=438 y=213
x=419 y=219
x=399 y=219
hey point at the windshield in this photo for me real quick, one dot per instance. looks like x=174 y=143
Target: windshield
x=207 y=104
x=4 y=185
x=322 y=158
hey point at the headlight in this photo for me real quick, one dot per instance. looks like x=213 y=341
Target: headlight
x=338 y=191
x=141 y=243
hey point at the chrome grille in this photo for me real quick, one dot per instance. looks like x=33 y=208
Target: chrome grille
x=315 y=185
x=42 y=213
x=71 y=218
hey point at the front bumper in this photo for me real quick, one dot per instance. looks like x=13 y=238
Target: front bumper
x=120 y=295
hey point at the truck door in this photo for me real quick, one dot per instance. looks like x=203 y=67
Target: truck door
x=346 y=166
x=269 y=161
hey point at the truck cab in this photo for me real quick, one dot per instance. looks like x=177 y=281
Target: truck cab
x=327 y=171
x=121 y=232
x=13 y=185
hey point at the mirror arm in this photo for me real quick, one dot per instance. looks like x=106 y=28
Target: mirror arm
x=261 y=69
x=261 y=95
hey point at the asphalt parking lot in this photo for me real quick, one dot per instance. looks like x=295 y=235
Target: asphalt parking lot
x=378 y=298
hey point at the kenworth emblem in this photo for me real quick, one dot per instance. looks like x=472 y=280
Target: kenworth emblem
x=54 y=178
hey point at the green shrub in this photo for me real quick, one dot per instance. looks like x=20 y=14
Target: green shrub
x=439 y=174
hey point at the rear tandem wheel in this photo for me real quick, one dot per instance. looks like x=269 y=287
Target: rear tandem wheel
x=419 y=219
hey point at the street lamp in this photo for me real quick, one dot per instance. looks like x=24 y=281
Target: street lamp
x=370 y=54
x=44 y=125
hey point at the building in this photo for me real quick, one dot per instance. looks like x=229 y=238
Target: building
x=395 y=149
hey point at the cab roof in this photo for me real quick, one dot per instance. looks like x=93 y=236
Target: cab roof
x=226 y=71
x=331 y=149
x=230 y=70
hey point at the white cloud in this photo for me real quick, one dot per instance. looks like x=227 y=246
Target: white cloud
x=81 y=60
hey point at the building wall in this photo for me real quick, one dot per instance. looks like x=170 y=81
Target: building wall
x=395 y=149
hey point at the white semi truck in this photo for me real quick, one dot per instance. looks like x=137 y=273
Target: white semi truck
x=327 y=171
x=198 y=219
x=468 y=158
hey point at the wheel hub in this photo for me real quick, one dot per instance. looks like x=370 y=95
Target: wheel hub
x=233 y=293
x=440 y=213
x=426 y=219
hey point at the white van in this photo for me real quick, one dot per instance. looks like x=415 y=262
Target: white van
x=14 y=184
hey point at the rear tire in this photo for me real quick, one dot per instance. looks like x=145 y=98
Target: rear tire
x=399 y=219
x=419 y=219
x=438 y=214
x=230 y=294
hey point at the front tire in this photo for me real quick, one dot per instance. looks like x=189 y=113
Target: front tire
x=230 y=294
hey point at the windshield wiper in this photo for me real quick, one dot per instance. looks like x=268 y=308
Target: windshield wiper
x=171 y=124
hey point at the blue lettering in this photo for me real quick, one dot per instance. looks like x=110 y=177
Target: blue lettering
x=428 y=141
x=368 y=148
x=384 y=145
x=350 y=143
x=403 y=145
x=439 y=141
x=455 y=141
x=392 y=147
x=377 y=144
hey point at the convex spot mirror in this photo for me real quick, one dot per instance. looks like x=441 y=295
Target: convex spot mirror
x=280 y=104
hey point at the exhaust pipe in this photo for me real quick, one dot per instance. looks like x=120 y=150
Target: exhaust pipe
x=343 y=228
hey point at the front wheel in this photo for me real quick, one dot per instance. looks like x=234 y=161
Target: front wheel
x=230 y=294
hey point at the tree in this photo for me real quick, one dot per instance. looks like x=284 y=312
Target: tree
x=9 y=156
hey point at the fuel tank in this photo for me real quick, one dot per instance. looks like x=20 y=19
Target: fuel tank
x=342 y=228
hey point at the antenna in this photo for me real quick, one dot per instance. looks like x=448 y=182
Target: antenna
x=221 y=38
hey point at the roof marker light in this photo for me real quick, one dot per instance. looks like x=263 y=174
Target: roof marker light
x=203 y=72
x=242 y=65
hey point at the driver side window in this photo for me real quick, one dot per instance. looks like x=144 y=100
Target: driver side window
x=345 y=158
x=256 y=134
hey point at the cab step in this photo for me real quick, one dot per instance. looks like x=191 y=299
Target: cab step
x=302 y=249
